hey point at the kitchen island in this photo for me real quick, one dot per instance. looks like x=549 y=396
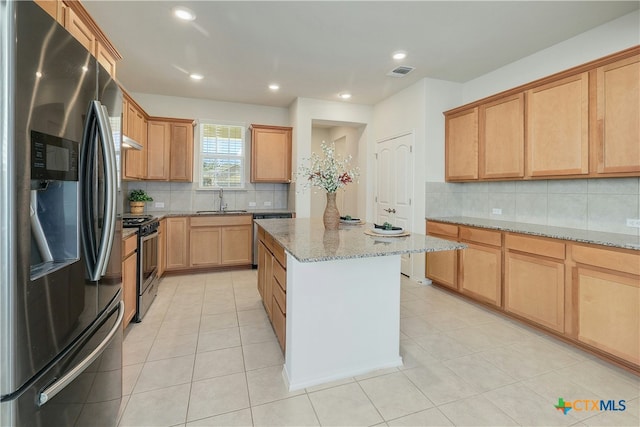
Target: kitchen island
x=342 y=297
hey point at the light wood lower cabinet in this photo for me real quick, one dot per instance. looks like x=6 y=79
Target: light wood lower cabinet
x=272 y=283
x=480 y=271
x=588 y=294
x=129 y=279
x=177 y=246
x=201 y=242
x=162 y=247
x=442 y=267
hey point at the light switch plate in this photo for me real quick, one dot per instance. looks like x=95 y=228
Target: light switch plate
x=252 y=204
x=159 y=205
x=496 y=211
x=267 y=203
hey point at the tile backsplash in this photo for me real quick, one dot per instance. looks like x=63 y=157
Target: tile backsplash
x=178 y=196
x=602 y=204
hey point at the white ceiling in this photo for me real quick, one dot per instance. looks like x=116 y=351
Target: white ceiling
x=319 y=49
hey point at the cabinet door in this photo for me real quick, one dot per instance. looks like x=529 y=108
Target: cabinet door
x=158 y=141
x=534 y=289
x=134 y=166
x=181 y=157
x=262 y=262
x=502 y=138
x=618 y=117
x=205 y=246
x=608 y=308
x=442 y=268
x=79 y=30
x=558 y=127
x=236 y=245
x=177 y=255
x=129 y=283
x=106 y=59
x=461 y=145
x=268 y=283
x=270 y=154
x=481 y=273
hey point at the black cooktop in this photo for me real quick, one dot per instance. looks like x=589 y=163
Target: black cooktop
x=137 y=220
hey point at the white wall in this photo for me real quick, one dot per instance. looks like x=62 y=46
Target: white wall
x=302 y=113
x=608 y=38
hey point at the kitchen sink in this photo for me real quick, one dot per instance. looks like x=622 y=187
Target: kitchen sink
x=221 y=212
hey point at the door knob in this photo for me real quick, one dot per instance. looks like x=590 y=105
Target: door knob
x=390 y=210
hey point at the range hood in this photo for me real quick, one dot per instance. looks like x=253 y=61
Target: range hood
x=130 y=143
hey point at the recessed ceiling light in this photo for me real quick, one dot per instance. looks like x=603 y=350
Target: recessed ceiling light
x=196 y=76
x=38 y=74
x=184 y=13
x=345 y=95
x=399 y=54
x=274 y=86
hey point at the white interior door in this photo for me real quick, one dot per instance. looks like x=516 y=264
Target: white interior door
x=394 y=171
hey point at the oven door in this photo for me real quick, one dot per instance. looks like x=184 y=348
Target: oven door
x=148 y=262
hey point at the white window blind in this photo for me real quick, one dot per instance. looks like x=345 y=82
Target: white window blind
x=221 y=156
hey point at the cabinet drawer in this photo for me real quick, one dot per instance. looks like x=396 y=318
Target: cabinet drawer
x=220 y=220
x=280 y=296
x=448 y=230
x=535 y=245
x=280 y=274
x=278 y=253
x=486 y=237
x=607 y=258
x=129 y=245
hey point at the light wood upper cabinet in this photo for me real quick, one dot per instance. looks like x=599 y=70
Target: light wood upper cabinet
x=461 y=150
x=105 y=58
x=170 y=150
x=135 y=162
x=158 y=146
x=181 y=152
x=617 y=130
x=558 y=127
x=502 y=138
x=53 y=8
x=271 y=148
x=79 y=30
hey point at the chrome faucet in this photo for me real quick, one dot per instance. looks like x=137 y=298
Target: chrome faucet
x=221 y=195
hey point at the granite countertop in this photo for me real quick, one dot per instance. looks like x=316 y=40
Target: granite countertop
x=617 y=240
x=307 y=241
x=126 y=232
x=165 y=214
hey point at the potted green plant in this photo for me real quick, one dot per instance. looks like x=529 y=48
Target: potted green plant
x=137 y=199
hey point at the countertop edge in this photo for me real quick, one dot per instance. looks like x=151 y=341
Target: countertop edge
x=614 y=240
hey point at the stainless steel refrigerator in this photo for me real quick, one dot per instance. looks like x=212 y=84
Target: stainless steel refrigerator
x=60 y=241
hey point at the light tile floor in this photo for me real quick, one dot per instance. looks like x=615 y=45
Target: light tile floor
x=205 y=355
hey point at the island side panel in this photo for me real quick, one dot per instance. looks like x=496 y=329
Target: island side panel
x=343 y=318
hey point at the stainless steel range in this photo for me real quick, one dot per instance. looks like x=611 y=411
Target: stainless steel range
x=147 y=277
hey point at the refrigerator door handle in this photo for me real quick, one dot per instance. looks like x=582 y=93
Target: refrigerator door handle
x=111 y=181
x=97 y=128
x=65 y=380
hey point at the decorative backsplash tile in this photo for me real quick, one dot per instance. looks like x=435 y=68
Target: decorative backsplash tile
x=590 y=204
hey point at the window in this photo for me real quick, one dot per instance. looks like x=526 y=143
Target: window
x=221 y=156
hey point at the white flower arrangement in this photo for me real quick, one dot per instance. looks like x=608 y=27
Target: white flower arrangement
x=330 y=172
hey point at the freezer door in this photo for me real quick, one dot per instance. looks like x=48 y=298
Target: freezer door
x=82 y=388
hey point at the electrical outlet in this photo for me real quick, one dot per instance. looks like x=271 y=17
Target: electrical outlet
x=267 y=203
x=496 y=211
x=633 y=222
x=159 y=205
x=252 y=204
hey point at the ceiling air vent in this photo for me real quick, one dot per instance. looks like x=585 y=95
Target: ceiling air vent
x=400 y=71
